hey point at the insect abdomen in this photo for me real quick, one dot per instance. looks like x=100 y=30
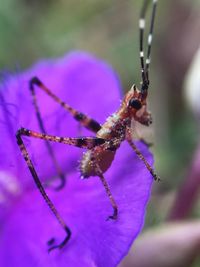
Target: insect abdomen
x=112 y=130
x=103 y=158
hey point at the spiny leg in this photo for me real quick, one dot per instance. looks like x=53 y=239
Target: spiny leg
x=88 y=142
x=49 y=148
x=106 y=186
x=43 y=193
x=112 y=200
x=82 y=142
x=84 y=120
x=140 y=156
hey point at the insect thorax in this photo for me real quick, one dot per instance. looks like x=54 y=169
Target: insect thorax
x=113 y=130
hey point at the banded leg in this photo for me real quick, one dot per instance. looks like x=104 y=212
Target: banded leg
x=84 y=120
x=49 y=147
x=88 y=142
x=43 y=193
x=140 y=156
x=82 y=142
x=106 y=186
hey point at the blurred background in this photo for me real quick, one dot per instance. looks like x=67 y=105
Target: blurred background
x=35 y=29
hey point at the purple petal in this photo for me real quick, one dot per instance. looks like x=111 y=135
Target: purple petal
x=85 y=207
x=81 y=80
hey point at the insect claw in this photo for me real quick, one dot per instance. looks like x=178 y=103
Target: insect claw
x=50 y=185
x=114 y=216
x=62 y=244
x=62 y=183
x=159 y=179
x=111 y=217
x=51 y=241
x=156 y=177
x=53 y=247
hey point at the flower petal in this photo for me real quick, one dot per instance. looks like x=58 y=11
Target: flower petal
x=85 y=207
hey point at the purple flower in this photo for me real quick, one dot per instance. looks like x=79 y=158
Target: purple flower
x=92 y=87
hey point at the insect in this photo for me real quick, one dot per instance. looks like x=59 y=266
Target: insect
x=101 y=149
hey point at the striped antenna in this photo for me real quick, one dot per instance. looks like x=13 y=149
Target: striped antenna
x=145 y=68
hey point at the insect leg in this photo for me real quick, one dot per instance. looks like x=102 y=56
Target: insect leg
x=107 y=188
x=82 y=142
x=84 y=120
x=87 y=142
x=140 y=156
x=49 y=148
x=43 y=192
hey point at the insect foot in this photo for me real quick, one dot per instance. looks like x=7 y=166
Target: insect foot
x=155 y=176
x=62 y=244
x=114 y=216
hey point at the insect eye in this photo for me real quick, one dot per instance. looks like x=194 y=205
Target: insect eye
x=135 y=103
